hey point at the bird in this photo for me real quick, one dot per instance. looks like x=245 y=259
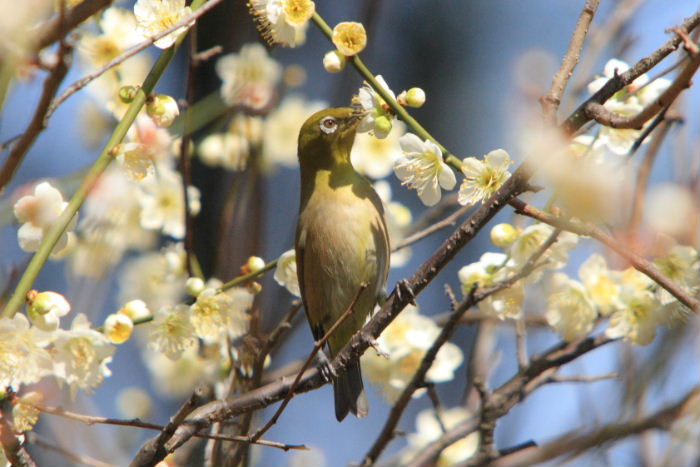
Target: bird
x=341 y=243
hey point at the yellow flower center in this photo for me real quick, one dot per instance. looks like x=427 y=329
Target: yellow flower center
x=82 y=351
x=299 y=11
x=350 y=38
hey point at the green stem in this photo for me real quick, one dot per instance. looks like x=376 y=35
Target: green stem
x=54 y=234
x=403 y=114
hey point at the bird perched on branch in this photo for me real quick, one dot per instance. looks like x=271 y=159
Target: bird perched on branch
x=342 y=245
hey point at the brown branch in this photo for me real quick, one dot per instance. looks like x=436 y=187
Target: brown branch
x=318 y=345
x=474 y=297
x=38 y=121
x=551 y=101
x=600 y=114
x=503 y=399
x=85 y=80
x=588 y=230
x=396 y=302
x=574 y=443
x=56 y=27
x=583 y=378
x=580 y=117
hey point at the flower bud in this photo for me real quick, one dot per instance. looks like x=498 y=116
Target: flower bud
x=194 y=286
x=136 y=310
x=254 y=287
x=334 y=61
x=128 y=93
x=382 y=124
x=255 y=263
x=46 y=308
x=415 y=97
x=162 y=109
x=118 y=327
x=503 y=234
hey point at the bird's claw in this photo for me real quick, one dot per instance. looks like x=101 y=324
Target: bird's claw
x=402 y=287
x=325 y=367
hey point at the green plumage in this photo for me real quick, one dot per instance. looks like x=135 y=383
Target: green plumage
x=341 y=242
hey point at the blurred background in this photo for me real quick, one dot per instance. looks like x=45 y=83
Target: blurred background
x=483 y=65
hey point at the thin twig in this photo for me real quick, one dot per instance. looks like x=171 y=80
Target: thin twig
x=136 y=423
x=38 y=122
x=55 y=28
x=575 y=442
x=588 y=230
x=505 y=397
x=446 y=222
x=521 y=343
x=580 y=116
x=583 y=378
x=318 y=345
x=551 y=101
x=606 y=117
x=85 y=80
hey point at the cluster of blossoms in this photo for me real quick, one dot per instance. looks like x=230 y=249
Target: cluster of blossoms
x=405 y=341
x=634 y=304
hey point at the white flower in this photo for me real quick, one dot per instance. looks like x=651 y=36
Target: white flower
x=24 y=413
x=626 y=102
x=638 y=317
x=601 y=283
x=249 y=77
x=286 y=272
x=483 y=178
x=136 y=160
x=228 y=150
x=162 y=203
x=375 y=157
x=110 y=225
x=406 y=340
x=349 y=38
x=281 y=130
x=214 y=314
x=136 y=310
x=23 y=359
x=378 y=118
x=423 y=169
x=283 y=21
x=682 y=265
x=119 y=32
x=429 y=429
x=155 y=16
x=532 y=238
x=81 y=355
x=177 y=378
x=172 y=331
x=492 y=268
x=157 y=278
x=45 y=309
x=570 y=311
x=134 y=402
x=503 y=234
x=37 y=213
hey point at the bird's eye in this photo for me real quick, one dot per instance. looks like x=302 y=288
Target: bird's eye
x=328 y=125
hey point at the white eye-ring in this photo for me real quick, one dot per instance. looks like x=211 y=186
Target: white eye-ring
x=328 y=125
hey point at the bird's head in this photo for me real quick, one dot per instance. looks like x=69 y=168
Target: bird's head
x=329 y=134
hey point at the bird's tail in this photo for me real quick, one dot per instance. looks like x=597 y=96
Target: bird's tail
x=349 y=393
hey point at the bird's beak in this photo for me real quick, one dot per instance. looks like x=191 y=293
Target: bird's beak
x=354 y=119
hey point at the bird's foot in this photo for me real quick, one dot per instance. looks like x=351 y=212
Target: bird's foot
x=402 y=288
x=325 y=367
